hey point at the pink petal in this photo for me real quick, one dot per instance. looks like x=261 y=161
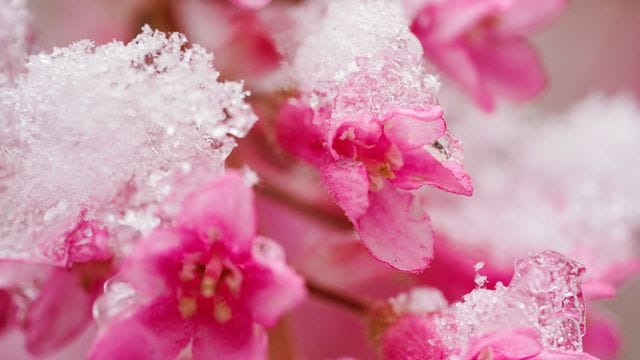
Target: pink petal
x=451 y=20
x=357 y=138
x=222 y=210
x=421 y=167
x=156 y=331
x=154 y=263
x=396 y=230
x=271 y=287
x=410 y=129
x=525 y=16
x=412 y=337
x=563 y=355
x=61 y=311
x=511 y=344
x=237 y=338
x=297 y=133
x=603 y=338
x=458 y=64
x=509 y=67
x=348 y=183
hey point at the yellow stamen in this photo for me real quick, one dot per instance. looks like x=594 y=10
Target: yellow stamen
x=187 y=307
x=208 y=287
x=222 y=312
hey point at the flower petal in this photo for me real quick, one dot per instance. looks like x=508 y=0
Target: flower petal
x=509 y=67
x=525 y=16
x=297 y=133
x=410 y=129
x=511 y=344
x=397 y=230
x=348 y=183
x=412 y=337
x=422 y=167
x=157 y=331
x=271 y=287
x=222 y=210
x=453 y=19
x=457 y=63
x=61 y=311
x=563 y=355
x=236 y=339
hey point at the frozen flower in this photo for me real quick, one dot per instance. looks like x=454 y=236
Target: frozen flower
x=540 y=315
x=481 y=44
x=210 y=282
x=102 y=136
x=369 y=121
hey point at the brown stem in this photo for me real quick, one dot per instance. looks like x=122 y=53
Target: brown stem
x=356 y=304
x=310 y=210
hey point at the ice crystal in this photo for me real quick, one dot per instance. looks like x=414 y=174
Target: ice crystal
x=364 y=59
x=551 y=181
x=13 y=37
x=545 y=294
x=419 y=300
x=101 y=134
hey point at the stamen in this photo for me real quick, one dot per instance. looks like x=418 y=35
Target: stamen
x=187 y=273
x=187 y=307
x=222 y=312
x=208 y=287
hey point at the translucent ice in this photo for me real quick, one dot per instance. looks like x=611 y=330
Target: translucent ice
x=100 y=135
x=545 y=294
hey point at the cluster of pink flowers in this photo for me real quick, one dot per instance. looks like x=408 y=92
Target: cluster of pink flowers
x=262 y=194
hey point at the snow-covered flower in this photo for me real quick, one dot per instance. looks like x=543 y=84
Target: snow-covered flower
x=209 y=282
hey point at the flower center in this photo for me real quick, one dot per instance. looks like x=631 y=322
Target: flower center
x=206 y=287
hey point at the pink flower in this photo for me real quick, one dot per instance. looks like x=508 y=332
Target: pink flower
x=368 y=163
x=481 y=44
x=211 y=283
x=540 y=315
x=52 y=305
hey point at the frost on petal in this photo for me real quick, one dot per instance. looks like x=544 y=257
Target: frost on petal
x=106 y=131
x=561 y=182
x=14 y=31
x=545 y=294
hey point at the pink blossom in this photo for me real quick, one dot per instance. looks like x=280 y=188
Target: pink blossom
x=481 y=44
x=210 y=282
x=367 y=164
x=540 y=315
x=52 y=305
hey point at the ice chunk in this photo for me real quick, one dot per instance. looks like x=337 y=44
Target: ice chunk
x=14 y=30
x=102 y=134
x=545 y=294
